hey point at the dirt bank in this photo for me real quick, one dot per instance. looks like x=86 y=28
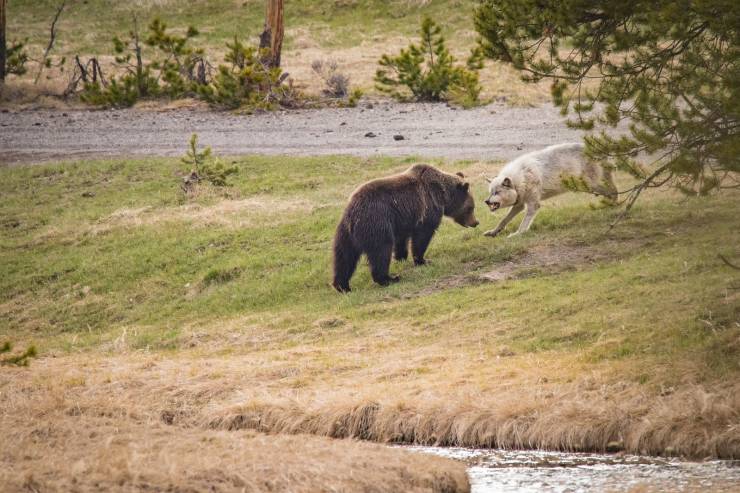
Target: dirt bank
x=496 y=132
x=58 y=437
x=219 y=394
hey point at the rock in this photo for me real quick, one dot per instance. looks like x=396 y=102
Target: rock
x=370 y=135
x=88 y=194
x=369 y=106
x=342 y=124
x=399 y=137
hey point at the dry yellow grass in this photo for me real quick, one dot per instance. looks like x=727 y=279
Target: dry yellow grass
x=64 y=435
x=255 y=393
x=358 y=62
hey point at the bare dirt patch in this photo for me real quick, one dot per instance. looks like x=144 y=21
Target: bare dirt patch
x=553 y=258
x=541 y=259
x=230 y=213
x=233 y=213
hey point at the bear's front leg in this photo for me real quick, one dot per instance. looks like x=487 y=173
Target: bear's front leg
x=419 y=244
x=380 y=263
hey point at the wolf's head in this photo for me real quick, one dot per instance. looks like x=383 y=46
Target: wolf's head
x=501 y=193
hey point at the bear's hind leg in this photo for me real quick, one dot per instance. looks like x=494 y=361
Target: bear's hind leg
x=419 y=244
x=401 y=250
x=380 y=263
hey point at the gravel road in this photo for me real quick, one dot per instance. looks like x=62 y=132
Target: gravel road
x=496 y=131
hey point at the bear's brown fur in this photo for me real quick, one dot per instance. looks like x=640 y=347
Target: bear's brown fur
x=384 y=214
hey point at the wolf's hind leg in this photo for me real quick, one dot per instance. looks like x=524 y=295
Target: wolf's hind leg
x=605 y=187
x=609 y=188
x=532 y=209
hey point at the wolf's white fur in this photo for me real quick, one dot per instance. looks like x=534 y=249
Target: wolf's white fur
x=539 y=175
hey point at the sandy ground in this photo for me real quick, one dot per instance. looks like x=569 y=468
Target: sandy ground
x=493 y=132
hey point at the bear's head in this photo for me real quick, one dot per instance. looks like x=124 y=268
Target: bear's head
x=461 y=205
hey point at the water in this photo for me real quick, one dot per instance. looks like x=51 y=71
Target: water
x=504 y=471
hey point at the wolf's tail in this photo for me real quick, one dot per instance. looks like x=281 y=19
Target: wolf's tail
x=346 y=257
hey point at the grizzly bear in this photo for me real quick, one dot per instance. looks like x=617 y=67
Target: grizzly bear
x=384 y=214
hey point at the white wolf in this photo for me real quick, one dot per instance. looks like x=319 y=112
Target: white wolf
x=536 y=176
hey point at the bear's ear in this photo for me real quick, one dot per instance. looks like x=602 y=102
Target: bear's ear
x=463 y=186
x=459 y=173
x=506 y=183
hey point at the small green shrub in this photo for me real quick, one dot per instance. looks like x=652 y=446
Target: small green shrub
x=171 y=73
x=204 y=167
x=246 y=82
x=427 y=71
x=354 y=97
x=177 y=70
x=16 y=58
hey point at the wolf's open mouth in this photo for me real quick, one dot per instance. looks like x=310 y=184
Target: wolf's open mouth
x=494 y=207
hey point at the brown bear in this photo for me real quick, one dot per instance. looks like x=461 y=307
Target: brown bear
x=384 y=214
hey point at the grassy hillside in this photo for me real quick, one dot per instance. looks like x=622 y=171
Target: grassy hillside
x=354 y=33
x=334 y=24
x=569 y=337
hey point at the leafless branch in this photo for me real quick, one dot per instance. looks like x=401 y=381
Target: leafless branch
x=52 y=39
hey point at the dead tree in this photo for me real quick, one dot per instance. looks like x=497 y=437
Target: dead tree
x=52 y=38
x=85 y=73
x=3 y=4
x=272 y=37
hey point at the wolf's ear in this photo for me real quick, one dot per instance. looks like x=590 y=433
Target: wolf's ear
x=459 y=173
x=463 y=186
x=506 y=183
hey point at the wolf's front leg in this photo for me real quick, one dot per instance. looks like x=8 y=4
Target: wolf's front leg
x=505 y=221
x=532 y=208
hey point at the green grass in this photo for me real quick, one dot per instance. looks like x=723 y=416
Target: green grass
x=80 y=267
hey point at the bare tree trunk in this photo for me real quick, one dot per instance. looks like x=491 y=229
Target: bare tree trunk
x=3 y=4
x=272 y=36
x=143 y=89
